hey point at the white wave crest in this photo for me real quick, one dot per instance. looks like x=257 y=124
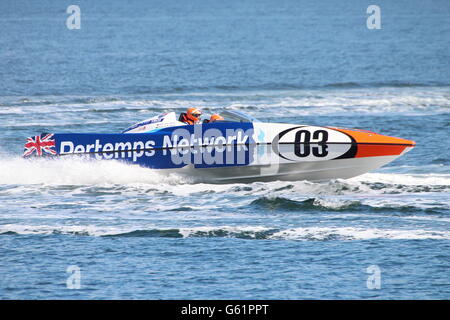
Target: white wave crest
x=61 y=171
x=350 y=233
x=441 y=179
x=87 y=230
x=248 y=232
x=411 y=101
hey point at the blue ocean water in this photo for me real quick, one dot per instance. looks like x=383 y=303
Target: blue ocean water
x=135 y=233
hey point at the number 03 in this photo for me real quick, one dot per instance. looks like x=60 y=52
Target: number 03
x=303 y=143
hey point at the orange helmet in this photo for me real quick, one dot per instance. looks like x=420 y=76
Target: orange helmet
x=215 y=117
x=194 y=114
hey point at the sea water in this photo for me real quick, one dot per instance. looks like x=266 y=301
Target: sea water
x=72 y=229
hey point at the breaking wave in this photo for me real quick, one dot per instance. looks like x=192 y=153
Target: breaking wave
x=271 y=195
x=320 y=204
x=280 y=203
x=350 y=99
x=247 y=232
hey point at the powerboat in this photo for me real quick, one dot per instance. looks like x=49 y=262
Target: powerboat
x=238 y=149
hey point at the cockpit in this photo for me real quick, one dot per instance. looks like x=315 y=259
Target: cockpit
x=170 y=120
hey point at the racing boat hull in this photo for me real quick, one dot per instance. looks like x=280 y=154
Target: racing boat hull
x=226 y=152
x=313 y=171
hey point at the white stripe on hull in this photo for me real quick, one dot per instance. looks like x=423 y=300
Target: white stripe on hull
x=311 y=171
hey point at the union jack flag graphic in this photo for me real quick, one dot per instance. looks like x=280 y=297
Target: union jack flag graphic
x=40 y=144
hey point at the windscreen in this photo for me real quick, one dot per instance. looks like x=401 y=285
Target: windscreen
x=237 y=116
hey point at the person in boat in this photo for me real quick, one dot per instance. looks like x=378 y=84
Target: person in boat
x=191 y=116
x=215 y=117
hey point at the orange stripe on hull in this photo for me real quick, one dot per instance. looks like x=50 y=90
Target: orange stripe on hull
x=377 y=150
x=371 y=144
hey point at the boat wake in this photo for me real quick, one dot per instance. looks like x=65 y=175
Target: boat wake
x=113 y=199
x=83 y=172
x=60 y=171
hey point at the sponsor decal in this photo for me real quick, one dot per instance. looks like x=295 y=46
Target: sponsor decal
x=209 y=147
x=181 y=147
x=135 y=149
x=40 y=145
x=307 y=143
